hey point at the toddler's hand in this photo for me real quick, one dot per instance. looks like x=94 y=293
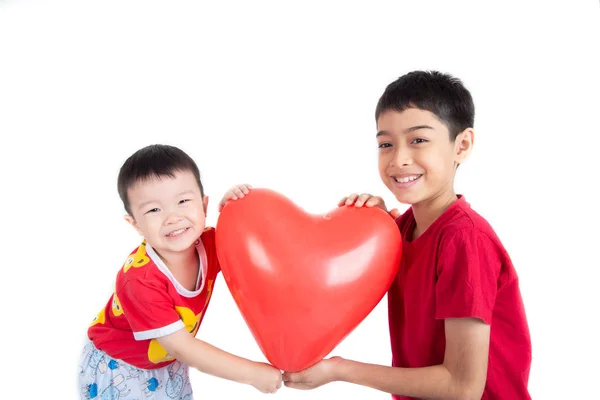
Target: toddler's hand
x=267 y=378
x=236 y=192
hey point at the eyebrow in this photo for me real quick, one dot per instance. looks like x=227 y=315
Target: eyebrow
x=185 y=192
x=145 y=204
x=409 y=130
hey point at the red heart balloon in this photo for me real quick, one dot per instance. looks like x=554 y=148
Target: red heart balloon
x=303 y=282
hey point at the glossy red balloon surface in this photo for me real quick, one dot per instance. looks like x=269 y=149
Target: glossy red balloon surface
x=303 y=282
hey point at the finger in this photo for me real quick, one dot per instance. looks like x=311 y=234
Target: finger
x=362 y=199
x=395 y=213
x=288 y=376
x=296 y=377
x=351 y=199
x=342 y=201
x=374 y=201
x=294 y=385
x=223 y=202
x=237 y=191
x=245 y=188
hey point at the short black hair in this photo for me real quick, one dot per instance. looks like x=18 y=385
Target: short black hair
x=433 y=91
x=156 y=160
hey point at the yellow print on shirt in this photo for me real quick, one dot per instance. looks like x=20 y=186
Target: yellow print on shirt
x=157 y=353
x=117 y=308
x=99 y=318
x=137 y=259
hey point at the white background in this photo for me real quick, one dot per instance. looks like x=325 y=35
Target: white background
x=283 y=96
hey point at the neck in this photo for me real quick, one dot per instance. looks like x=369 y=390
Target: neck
x=181 y=259
x=427 y=211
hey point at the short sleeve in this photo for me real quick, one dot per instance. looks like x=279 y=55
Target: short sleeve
x=149 y=309
x=468 y=268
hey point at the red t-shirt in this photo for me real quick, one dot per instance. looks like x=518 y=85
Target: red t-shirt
x=149 y=303
x=458 y=268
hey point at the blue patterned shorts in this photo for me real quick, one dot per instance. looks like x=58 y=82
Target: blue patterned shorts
x=105 y=378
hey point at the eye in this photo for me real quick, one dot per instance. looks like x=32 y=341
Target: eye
x=384 y=145
x=184 y=201
x=154 y=210
x=419 y=141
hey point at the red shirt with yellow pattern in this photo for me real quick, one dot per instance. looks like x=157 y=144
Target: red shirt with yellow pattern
x=149 y=303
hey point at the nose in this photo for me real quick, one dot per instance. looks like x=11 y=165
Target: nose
x=173 y=218
x=402 y=157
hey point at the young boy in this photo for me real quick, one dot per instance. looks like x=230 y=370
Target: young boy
x=457 y=323
x=142 y=341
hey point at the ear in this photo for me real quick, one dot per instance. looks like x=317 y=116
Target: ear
x=205 y=204
x=463 y=145
x=133 y=223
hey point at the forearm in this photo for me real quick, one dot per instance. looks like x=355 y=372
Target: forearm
x=214 y=361
x=435 y=382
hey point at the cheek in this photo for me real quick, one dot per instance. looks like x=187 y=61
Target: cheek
x=433 y=158
x=198 y=216
x=383 y=173
x=148 y=227
x=154 y=225
x=438 y=165
x=383 y=162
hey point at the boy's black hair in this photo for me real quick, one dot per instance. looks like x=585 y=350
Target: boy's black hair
x=157 y=160
x=433 y=91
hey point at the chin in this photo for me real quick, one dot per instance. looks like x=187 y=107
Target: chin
x=407 y=198
x=178 y=247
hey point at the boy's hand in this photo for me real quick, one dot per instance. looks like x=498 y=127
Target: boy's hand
x=367 y=200
x=236 y=192
x=319 y=374
x=266 y=378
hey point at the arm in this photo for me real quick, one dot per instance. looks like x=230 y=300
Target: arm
x=470 y=261
x=462 y=375
x=213 y=361
x=139 y=295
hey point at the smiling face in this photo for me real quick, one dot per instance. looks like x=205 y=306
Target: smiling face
x=417 y=158
x=170 y=212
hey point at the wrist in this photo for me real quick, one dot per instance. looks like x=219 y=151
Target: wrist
x=339 y=369
x=250 y=371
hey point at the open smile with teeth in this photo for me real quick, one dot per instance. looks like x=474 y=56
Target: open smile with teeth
x=177 y=232
x=406 y=179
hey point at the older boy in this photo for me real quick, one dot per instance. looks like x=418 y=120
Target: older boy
x=456 y=318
